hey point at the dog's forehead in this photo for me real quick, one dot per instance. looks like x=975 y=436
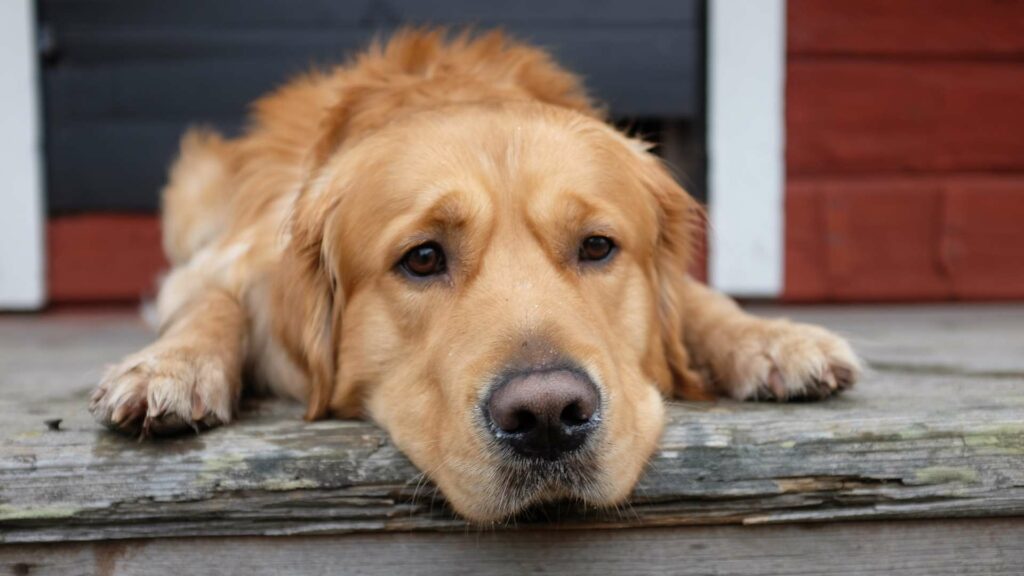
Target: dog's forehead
x=509 y=155
x=550 y=175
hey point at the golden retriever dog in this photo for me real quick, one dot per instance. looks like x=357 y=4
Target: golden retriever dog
x=445 y=236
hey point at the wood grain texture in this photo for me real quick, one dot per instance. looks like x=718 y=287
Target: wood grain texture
x=921 y=548
x=937 y=28
x=879 y=117
x=929 y=434
x=904 y=238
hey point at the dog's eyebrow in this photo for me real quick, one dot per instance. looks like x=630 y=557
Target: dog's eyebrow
x=454 y=210
x=575 y=209
x=446 y=212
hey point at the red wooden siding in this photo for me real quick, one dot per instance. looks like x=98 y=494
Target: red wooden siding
x=102 y=257
x=905 y=150
x=905 y=238
x=952 y=28
x=871 y=117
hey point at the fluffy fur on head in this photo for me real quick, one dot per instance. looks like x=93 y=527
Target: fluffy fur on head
x=289 y=247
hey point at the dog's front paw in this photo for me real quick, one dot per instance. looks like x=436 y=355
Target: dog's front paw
x=164 y=390
x=782 y=360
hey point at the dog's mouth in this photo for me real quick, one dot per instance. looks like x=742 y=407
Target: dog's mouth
x=526 y=482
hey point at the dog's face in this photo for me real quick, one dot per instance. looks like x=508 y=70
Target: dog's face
x=495 y=299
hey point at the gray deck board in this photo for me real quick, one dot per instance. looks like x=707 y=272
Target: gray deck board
x=919 y=548
x=936 y=431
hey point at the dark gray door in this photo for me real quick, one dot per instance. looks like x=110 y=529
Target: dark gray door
x=123 y=78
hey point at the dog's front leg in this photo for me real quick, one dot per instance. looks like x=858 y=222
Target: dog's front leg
x=750 y=358
x=189 y=378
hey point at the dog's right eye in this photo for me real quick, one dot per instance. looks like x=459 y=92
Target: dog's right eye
x=596 y=249
x=424 y=260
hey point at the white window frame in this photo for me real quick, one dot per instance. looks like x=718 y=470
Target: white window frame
x=22 y=214
x=746 y=146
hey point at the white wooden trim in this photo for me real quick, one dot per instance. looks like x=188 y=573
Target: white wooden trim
x=22 y=253
x=746 y=162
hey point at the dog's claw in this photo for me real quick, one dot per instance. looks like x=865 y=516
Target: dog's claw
x=830 y=380
x=845 y=377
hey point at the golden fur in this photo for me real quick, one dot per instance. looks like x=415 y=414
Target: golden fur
x=284 y=241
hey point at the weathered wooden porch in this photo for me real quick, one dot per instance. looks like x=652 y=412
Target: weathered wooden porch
x=919 y=469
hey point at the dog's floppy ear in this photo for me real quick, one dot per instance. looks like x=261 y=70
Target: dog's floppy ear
x=309 y=298
x=680 y=218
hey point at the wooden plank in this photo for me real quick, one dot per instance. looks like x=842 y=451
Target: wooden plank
x=103 y=257
x=228 y=14
x=873 y=241
x=905 y=238
x=878 y=117
x=122 y=79
x=662 y=63
x=942 y=28
x=915 y=440
x=984 y=236
x=117 y=102
x=805 y=262
x=909 y=548
x=109 y=167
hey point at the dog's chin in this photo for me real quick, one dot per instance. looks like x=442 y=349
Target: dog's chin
x=523 y=485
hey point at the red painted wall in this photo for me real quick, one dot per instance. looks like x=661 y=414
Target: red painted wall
x=103 y=257
x=905 y=150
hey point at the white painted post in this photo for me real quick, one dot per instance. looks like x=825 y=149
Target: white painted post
x=746 y=145
x=22 y=215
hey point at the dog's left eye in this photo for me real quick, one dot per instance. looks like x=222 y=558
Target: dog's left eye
x=424 y=260
x=596 y=248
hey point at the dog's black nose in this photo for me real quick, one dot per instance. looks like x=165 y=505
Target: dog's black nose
x=544 y=414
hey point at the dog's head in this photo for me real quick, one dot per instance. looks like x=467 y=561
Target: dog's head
x=492 y=284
